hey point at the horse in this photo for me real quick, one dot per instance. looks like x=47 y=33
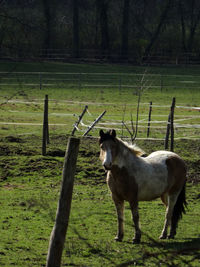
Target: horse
x=134 y=178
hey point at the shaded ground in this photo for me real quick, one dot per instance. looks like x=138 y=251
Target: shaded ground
x=22 y=156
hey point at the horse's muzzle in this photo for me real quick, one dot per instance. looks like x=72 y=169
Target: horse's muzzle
x=107 y=167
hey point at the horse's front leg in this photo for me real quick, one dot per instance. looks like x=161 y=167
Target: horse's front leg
x=119 y=204
x=135 y=216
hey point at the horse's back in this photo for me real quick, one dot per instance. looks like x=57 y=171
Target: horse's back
x=161 y=155
x=167 y=158
x=164 y=170
x=176 y=168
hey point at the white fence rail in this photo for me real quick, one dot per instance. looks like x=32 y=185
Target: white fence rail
x=186 y=126
x=97 y=80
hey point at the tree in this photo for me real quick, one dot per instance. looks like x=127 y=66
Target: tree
x=189 y=13
x=75 y=5
x=158 y=28
x=125 y=29
x=183 y=26
x=194 y=21
x=102 y=7
x=49 y=9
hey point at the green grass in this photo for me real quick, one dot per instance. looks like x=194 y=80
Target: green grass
x=64 y=103
x=30 y=183
x=29 y=193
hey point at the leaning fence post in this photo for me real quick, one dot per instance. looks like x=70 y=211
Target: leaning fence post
x=94 y=123
x=149 y=119
x=59 y=231
x=79 y=120
x=45 y=137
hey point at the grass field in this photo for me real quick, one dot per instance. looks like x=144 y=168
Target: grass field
x=102 y=87
x=30 y=183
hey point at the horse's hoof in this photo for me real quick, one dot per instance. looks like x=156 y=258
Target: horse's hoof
x=117 y=239
x=170 y=237
x=163 y=237
x=136 y=241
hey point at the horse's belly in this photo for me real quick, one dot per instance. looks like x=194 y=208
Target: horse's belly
x=152 y=188
x=147 y=194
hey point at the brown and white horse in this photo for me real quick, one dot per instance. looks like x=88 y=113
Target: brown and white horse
x=134 y=178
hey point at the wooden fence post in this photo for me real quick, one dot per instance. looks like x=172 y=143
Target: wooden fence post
x=149 y=119
x=120 y=84
x=45 y=137
x=123 y=124
x=94 y=123
x=40 y=78
x=161 y=82
x=79 y=81
x=172 y=124
x=167 y=132
x=59 y=231
x=79 y=120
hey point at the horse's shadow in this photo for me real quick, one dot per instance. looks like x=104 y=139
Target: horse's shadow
x=184 y=245
x=188 y=243
x=165 y=251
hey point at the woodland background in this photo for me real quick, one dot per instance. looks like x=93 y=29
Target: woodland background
x=134 y=31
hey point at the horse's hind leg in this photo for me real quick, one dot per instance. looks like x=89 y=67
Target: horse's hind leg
x=119 y=204
x=168 y=216
x=164 y=198
x=135 y=216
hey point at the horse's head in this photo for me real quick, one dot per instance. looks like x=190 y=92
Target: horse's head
x=107 y=142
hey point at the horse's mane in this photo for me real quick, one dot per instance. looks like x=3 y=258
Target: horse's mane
x=136 y=150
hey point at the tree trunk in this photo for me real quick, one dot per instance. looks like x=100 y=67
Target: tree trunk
x=103 y=10
x=193 y=25
x=125 y=29
x=183 y=31
x=49 y=14
x=158 y=29
x=75 y=28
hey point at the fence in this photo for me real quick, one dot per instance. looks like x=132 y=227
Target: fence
x=186 y=121
x=119 y=81
x=95 y=55
x=23 y=112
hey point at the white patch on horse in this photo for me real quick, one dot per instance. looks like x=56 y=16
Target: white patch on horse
x=156 y=183
x=108 y=159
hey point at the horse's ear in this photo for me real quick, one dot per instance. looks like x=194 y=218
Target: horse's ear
x=113 y=133
x=101 y=133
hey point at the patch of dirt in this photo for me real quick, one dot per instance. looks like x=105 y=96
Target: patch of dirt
x=193 y=170
x=10 y=150
x=14 y=139
x=56 y=153
x=42 y=164
x=4 y=150
x=11 y=186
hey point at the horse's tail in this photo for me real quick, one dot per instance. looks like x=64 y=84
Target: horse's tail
x=179 y=208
